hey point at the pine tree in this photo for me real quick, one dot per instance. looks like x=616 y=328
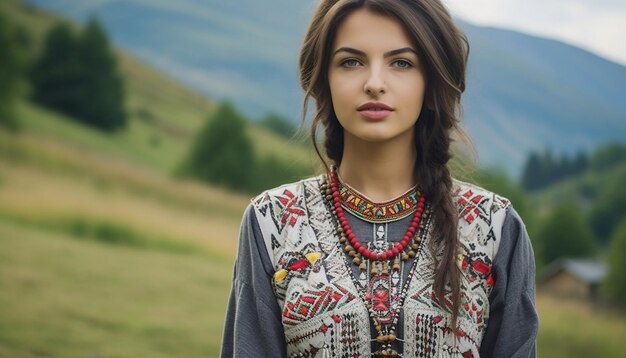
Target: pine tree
x=57 y=76
x=103 y=88
x=222 y=152
x=78 y=77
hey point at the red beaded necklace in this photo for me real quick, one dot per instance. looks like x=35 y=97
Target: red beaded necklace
x=356 y=246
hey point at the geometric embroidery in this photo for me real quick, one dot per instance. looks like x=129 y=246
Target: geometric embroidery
x=426 y=343
x=289 y=209
x=365 y=209
x=311 y=303
x=275 y=243
x=323 y=313
x=472 y=206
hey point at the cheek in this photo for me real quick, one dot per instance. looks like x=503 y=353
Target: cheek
x=413 y=92
x=341 y=95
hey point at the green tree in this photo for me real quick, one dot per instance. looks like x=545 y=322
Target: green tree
x=78 y=76
x=272 y=171
x=565 y=233
x=222 y=152
x=610 y=207
x=9 y=75
x=608 y=156
x=57 y=75
x=279 y=125
x=616 y=281
x=103 y=87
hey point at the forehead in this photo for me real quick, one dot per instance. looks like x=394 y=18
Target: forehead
x=367 y=30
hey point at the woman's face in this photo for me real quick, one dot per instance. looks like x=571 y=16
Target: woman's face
x=376 y=82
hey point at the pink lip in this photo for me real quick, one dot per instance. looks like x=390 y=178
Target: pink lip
x=374 y=110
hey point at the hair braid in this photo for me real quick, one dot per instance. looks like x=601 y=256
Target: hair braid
x=433 y=175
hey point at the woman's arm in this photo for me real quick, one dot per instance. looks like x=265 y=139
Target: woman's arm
x=253 y=325
x=513 y=321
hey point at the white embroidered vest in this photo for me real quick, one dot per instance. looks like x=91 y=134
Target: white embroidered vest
x=323 y=314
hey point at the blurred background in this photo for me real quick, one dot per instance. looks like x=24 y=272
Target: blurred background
x=134 y=133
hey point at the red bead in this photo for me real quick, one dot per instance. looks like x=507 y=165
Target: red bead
x=352 y=239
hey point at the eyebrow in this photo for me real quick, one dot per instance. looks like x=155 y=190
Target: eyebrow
x=386 y=54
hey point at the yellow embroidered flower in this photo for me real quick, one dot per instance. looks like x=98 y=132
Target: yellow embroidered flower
x=280 y=275
x=313 y=256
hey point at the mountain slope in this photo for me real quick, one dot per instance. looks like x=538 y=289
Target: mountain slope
x=528 y=92
x=524 y=92
x=164 y=114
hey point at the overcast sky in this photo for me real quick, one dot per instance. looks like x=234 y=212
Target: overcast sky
x=595 y=25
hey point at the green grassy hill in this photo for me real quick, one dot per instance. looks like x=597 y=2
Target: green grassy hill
x=164 y=115
x=105 y=253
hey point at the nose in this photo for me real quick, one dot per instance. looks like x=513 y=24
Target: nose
x=375 y=84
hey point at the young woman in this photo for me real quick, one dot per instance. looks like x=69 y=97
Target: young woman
x=385 y=254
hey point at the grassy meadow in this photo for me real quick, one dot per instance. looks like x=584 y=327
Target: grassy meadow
x=106 y=257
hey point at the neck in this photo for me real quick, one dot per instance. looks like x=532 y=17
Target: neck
x=380 y=171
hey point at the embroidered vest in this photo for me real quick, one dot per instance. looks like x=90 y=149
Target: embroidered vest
x=323 y=314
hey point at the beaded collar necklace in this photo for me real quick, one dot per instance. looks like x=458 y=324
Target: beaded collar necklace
x=380 y=281
x=366 y=209
x=355 y=249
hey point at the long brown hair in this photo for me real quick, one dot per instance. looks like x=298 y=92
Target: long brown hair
x=443 y=50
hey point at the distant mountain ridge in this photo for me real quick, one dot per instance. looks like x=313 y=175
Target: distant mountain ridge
x=524 y=92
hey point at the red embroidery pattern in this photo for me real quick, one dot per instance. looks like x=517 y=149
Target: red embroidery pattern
x=311 y=303
x=472 y=206
x=290 y=208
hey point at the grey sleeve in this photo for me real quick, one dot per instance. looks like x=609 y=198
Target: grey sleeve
x=513 y=321
x=252 y=327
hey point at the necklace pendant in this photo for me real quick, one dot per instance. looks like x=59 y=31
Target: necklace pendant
x=395 y=278
x=363 y=277
x=380 y=292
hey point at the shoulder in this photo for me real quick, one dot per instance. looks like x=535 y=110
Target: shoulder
x=483 y=218
x=286 y=205
x=286 y=193
x=473 y=202
x=282 y=214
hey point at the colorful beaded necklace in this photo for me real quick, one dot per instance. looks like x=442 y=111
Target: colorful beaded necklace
x=355 y=249
x=365 y=209
x=382 y=289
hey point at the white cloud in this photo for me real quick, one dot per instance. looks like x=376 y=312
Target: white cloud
x=598 y=26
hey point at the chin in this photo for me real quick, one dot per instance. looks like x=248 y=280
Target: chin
x=374 y=137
